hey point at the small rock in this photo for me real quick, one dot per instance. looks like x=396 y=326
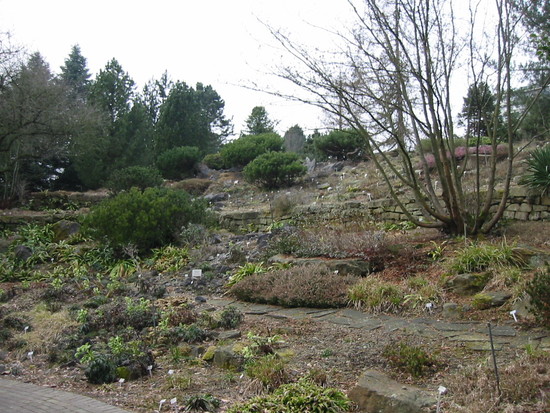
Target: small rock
x=22 y=252
x=451 y=310
x=376 y=392
x=213 y=198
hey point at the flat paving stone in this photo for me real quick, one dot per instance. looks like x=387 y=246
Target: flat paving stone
x=16 y=396
x=321 y=314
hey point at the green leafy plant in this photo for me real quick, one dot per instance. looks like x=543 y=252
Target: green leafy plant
x=101 y=370
x=147 y=219
x=134 y=176
x=410 y=359
x=261 y=345
x=202 y=402
x=537 y=177
x=246 y=270
x=170 y=258
x=302 y=396
x=274 y=170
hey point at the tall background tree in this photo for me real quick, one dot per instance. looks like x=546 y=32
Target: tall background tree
x=258 y=122
x=191 y=117
x=37 y=122
x=75 y=73
x=478 y=110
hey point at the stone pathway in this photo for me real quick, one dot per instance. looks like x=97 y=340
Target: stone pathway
x=18 y=397
x=473 y=335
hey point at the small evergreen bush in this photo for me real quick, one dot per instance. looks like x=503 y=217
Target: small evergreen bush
x=537 y=177
x=101 y=370
x=134 y=176
x=274 y=169
x=178 y=163
x=214 y=161
x=147 y=219
x=339 y=144
x=244 y=150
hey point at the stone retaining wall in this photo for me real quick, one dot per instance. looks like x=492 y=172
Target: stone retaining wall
x=521 y=206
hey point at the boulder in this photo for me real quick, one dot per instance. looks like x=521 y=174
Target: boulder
x=467 y=284
x=22 y=252
x=375 y=392
x=226 y=357
x=64 y=229
x=218 y=197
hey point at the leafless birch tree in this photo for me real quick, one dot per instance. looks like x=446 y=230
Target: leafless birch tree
x=394 y=81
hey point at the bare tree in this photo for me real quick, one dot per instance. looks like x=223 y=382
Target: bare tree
x=393 y=82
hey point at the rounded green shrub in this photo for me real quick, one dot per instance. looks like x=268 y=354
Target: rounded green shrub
x=178 y=163
x=214 y=161
x=339 y=144
x=244 y=150
x=134 y=176
x=274 y=169
x=147 y=219
x=101 y=370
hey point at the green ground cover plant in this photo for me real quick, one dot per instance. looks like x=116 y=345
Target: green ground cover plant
x=299 y=397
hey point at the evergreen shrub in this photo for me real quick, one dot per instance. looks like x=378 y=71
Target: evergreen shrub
x=178 y=163
x=214 y=161
x=274 y=169
x=147 y=219
x=134 y=176
x=339 y=144
x=244 y=150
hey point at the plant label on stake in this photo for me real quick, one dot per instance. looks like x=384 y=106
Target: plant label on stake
x=513 y=314
x=441 y=390
x=25 y=329
x=29 y=354
x=150 y=370
x=121 y=382
x=161 y=403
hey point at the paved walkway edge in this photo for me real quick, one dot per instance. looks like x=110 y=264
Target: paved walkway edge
x=16 y=396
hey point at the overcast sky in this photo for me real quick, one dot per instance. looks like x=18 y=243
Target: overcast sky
x=216 y=42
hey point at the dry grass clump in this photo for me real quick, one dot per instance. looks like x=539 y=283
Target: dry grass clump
x=301 y=286
x=195 y=186
x=524 y=384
